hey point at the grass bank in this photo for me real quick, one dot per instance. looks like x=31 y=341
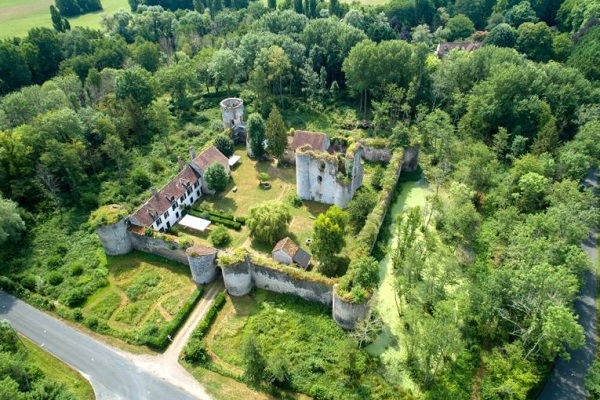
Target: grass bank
x=56 y=370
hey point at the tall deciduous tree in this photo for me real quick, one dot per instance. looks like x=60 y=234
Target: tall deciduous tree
x=216 y=177
x=535 y=40
x=135 y=84
x=224 y=144
x=147 y=55
x=460 y=26
x=225 y=67
x=14 y=71
x=11 y=224
x=268 y=222
x=276 y=134
x=329 y=239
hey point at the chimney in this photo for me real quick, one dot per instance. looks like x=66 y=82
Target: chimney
x=192 y=153
x=154 y=191
x=180 y=162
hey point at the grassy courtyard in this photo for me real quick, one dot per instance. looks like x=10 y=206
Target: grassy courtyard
x=248 y=193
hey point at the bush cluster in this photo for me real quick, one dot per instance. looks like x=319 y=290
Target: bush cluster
x=219 y=237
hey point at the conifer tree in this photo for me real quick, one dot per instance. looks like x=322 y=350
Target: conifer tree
x=276 y=134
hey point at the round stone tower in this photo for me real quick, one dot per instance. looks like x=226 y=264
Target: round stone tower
x=115 y=238
x=203 y=263
x=232 y=110
x=347 y=314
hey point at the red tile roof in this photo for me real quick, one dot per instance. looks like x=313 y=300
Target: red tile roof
x=211 y=156
x=287 y=245
x=161 y=202
x=315 y=140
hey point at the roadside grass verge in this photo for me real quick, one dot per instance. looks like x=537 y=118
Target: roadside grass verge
x=56 y=370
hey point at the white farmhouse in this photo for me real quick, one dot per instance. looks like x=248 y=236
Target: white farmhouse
x=165 y=208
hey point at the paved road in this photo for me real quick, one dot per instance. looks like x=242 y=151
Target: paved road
x=111 y=375
x=567 y=379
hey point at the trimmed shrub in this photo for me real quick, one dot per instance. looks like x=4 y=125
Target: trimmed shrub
x=7 y=284
x=77 y=314
x=29 y=282
x=54 y=262
x=210 y=316
x=76 y=269
x=219 y=237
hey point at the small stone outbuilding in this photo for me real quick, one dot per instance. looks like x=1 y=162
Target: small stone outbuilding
x=288 y=252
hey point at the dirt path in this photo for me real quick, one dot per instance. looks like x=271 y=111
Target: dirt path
x=166 y=366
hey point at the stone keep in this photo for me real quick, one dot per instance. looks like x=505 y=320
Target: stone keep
x=232 y=110
x=318 y=176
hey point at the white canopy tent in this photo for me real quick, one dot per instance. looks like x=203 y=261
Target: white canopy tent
x=195 y=223
x=234 y=160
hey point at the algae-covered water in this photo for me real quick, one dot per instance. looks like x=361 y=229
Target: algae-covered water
x=386 y=346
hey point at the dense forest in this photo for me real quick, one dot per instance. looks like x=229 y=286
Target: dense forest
x=486 y=274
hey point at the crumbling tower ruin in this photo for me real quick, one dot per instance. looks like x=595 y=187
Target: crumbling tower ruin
x=232 y=110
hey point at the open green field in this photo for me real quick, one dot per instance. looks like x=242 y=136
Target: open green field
x=58 y=371
x=18 y=16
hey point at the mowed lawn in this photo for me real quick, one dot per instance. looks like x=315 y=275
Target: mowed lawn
x=248 y=193
x=18 y=16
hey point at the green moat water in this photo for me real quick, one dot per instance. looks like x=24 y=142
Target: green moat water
x=386 y=345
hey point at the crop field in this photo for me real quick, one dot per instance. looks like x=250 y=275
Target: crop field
x=18 y=16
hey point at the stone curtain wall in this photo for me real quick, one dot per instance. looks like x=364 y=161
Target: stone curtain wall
x=158 y=246
x=376 y=154
x=240 y=277
x=280 y=282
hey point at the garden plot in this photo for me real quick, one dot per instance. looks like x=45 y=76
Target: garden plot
x=142 y=292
